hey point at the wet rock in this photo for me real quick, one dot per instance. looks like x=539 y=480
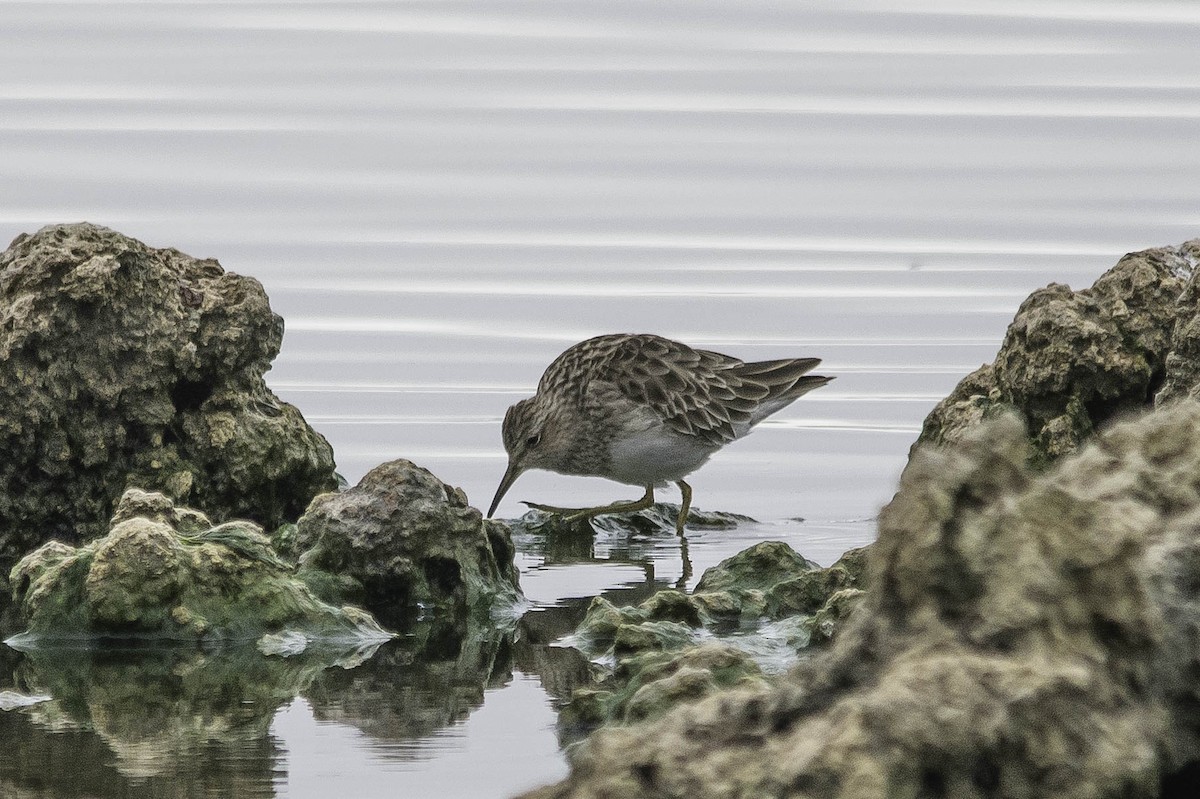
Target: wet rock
x=828 y=619
x=663 y=681
x=760 y=567
x=161 y=576
x=650 y=636
x=673 y=606
x=771 y=580
x=1071 y=361
x=402 y=540
x=737 y=587
x=123 y=365
x=658 y=519
x=649 y=641
x=813 y=591
x=603 y=619
x=651 y=681
x=1024 y=633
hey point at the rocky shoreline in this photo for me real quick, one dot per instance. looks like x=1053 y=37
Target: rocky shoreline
x=1028 y=621
x=1024 y=625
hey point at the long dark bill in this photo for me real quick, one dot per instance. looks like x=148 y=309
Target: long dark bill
x=510 y=476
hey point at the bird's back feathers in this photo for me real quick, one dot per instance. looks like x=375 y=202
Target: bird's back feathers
x=701 y=393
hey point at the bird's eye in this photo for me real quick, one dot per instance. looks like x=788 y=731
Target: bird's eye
x=533 y=440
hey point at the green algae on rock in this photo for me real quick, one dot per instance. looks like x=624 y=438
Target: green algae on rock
x=124 y=365
x=171 y=574
x=653 y=681
x=771 y=580
x=1072 y=361
x=1024 y=633
x=401 y=541
x=768 y=591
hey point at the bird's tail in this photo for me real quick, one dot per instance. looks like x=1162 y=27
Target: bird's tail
x=786 y=378
x=784 y=381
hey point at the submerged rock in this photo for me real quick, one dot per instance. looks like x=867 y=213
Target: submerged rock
x=1023 y=634
x=123 y=365
x=402 y=541
x=1074 y=360
x=171 y=574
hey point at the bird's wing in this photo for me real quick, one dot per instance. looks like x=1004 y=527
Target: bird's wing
x=695 y=392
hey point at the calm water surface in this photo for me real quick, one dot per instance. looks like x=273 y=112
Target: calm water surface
x=441 y=196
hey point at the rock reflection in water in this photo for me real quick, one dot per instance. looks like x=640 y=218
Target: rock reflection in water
x=138 y=722
x=130 y=722
x=160 y=722
x=428 y=680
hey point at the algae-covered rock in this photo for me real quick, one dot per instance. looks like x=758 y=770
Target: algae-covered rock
x=827 y=620
x=825 y=595
x=1071 y=361
x=658 y=519
x=650 y=681
x=603 y=618
x=124 y=365
x=1023 y=634
x=147 y=577
x=650 y=636
x=771 y=580
x=408 y=540
x=759 y=567
x=695 y=674
x=777 y=601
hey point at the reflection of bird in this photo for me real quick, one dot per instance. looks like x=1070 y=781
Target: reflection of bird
x=642 y=410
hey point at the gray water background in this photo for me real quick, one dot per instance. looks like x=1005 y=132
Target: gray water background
x=439 y=197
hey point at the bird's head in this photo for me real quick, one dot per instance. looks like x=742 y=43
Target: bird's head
x=534 y=438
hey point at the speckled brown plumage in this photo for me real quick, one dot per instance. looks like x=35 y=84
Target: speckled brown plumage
x=697 y=392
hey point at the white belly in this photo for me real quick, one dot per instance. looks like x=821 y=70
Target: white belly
x=657 y=455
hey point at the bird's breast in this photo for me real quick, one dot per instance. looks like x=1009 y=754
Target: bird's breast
x=656 y=455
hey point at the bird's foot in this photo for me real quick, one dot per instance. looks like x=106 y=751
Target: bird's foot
x=575 y=514
x=568 y=514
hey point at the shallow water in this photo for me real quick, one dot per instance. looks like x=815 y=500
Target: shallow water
x=440 y=197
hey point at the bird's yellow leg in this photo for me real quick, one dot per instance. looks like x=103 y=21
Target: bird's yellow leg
x=574 y=514
x=684 y=507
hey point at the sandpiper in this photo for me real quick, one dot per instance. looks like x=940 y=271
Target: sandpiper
x=642 y=410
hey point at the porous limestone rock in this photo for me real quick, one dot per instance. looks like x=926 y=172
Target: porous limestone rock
x=1073 y=360
x=167 y=575
x=1024 y=633
x=650 y=681
x=672 y=631
x=772 y=580
x=124 y=365
x=402 y=540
